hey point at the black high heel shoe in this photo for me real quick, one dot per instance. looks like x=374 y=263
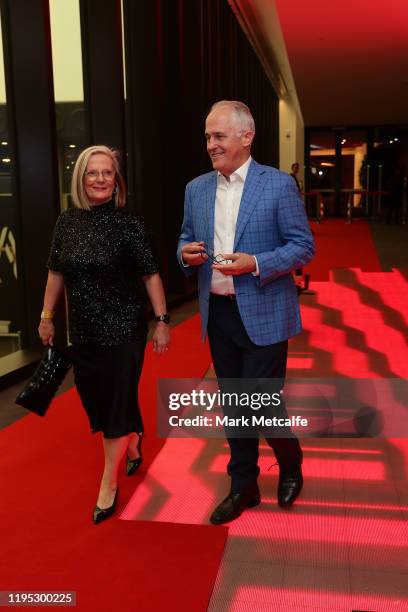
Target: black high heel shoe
x=100 y=514
x=133 y=464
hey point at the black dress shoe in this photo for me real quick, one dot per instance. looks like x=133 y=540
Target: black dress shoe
x=233 y=506
x=100 y=514
x=289 y=487
x=133 y=464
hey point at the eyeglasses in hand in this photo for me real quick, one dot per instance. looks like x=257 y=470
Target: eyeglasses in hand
x=218 y=259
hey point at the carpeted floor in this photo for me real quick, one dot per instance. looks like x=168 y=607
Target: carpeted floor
x=342 y=245
x=49 y=476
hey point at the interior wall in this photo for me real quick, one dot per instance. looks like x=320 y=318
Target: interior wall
x=291 y=138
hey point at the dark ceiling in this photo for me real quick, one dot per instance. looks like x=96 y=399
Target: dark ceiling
x=349 y=59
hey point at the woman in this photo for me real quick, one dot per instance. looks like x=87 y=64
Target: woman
x=99 y=252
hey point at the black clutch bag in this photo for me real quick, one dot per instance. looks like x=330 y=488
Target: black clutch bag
x=51 y=371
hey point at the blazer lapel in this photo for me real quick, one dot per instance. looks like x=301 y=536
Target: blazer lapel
x=253 y=188
x=209 y=204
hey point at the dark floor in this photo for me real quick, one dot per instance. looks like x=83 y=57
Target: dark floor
x=391 y=242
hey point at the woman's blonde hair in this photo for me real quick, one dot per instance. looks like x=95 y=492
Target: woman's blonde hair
x=78 y=193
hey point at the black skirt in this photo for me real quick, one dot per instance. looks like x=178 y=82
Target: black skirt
x=107 y=379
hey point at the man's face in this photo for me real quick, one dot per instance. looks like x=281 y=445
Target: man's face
x=228 y=144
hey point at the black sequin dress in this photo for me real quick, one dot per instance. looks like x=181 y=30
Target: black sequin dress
x=102 y=253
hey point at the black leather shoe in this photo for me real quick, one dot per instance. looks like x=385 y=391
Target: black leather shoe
x=100 y=514
x=233 y=506
x=133 y=464
x=289 y=487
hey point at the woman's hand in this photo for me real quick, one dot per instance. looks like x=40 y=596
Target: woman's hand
x=46 y=331
x=161 y=338
x=53 y=292
x=154 y=288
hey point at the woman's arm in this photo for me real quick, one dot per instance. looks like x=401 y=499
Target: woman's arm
x=53 y=292
x=154 y=288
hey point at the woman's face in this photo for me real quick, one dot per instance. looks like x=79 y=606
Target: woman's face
x=99 y=178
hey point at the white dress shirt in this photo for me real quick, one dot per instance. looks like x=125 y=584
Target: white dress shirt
x=227 y=202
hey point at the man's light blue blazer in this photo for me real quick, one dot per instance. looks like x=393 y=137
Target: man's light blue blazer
x=272 y=225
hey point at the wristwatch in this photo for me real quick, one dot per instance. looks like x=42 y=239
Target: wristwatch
x=164 y=318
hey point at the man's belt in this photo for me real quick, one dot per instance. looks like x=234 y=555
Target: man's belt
x=229 y=296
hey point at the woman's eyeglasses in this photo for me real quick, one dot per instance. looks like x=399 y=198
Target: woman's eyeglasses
x=107 y=175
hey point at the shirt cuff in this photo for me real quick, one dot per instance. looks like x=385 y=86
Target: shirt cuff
x=184 y=264
x=256 y=273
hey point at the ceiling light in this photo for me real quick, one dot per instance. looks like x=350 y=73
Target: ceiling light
x=4 y=143
x=72 y=146
x=6 y=160
x=395 y=139
x=320 y=172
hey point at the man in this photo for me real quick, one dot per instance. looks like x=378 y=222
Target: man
x=252 y=215
x=295 y=169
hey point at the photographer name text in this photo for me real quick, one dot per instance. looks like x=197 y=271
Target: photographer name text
x=242 y=421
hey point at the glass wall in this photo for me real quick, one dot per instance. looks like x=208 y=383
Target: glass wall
x=11 y=290
x=68 y=89
x=355 y=175
x=321 y=170
x=362 y=171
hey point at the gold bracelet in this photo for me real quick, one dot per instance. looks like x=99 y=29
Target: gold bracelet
x=47 y=314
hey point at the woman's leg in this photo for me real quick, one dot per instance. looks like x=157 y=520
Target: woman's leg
x=135 y=438
x=134 y=445
x=114 y=449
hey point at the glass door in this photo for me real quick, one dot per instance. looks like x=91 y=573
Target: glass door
x=12 y=320
x=355 y=173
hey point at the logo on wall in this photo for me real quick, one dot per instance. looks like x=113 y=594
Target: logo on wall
x=8 y=248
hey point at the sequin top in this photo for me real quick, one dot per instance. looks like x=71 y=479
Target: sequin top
x=101 y=254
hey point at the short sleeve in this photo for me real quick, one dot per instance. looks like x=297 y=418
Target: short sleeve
x=54 y=259
x=140 y=246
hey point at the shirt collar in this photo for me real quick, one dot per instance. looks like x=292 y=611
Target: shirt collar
x=240 y=172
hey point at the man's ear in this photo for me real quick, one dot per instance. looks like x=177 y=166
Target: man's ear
x=247 y=138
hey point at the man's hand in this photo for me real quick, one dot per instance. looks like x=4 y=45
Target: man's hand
x=193 y=253
x=242 y=263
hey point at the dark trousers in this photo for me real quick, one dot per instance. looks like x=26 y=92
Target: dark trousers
x=236 y=356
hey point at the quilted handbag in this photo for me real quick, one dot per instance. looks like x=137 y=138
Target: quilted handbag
x=40 y=390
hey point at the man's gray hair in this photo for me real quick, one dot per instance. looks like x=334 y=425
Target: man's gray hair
x=242 y=113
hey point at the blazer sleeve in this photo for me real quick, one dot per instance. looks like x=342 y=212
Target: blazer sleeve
x=297 y=246
x=187 y=231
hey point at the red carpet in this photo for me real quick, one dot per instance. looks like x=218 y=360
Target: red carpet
x=49 y=480
x=342 y=245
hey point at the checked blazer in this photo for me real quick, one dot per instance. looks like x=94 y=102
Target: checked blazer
x=272 y=225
